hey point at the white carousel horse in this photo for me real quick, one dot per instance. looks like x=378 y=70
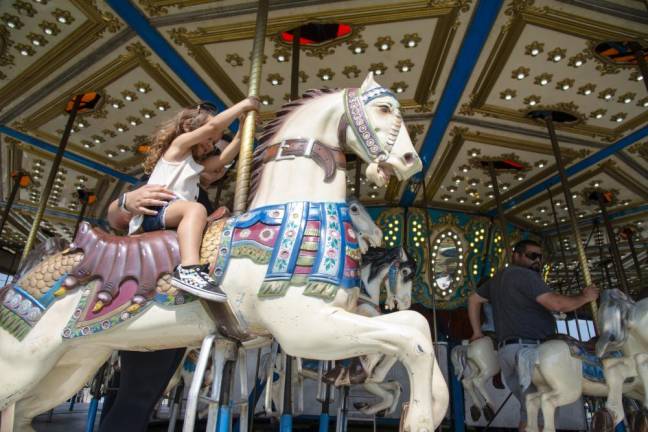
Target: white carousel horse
x=394 y=269
x=561 y=378
x=368 y=232
x=475 y=364
x=46 y=365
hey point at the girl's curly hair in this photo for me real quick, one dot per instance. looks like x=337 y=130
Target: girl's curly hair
x=187 y=120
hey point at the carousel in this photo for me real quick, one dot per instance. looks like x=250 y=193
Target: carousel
x=396 y=153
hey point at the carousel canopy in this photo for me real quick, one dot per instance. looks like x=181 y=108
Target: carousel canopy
x=467 y=73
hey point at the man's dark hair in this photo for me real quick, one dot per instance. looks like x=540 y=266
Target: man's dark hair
x=520 y=247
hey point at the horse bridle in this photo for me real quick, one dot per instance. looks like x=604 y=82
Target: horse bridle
x=356 y=118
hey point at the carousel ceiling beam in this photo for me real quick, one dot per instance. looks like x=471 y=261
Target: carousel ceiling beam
x=61 y=215
x=67 y=155
x=152 y=37
x=477 y=33
x=611 y=8
x=584 y=164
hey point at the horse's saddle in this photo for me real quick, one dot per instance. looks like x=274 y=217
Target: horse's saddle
x=592 y=365
x=140 y=259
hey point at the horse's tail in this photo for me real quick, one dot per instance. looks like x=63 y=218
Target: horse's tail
x=459 y=359
x=526 y=360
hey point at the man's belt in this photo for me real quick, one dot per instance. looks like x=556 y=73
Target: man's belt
x=329 y=158
x=519 y=341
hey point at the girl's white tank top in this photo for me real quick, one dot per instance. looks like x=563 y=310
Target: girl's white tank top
x=181 y=178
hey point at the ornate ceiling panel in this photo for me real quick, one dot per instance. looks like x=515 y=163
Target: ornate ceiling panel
x=543 y=57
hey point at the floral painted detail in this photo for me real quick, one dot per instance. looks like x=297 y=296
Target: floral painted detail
x=330 y=261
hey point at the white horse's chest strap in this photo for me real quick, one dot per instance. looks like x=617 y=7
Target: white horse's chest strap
x=329 y=158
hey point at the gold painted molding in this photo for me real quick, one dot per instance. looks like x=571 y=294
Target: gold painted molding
x=523 y=12
x=81 y=38
x=446 y=11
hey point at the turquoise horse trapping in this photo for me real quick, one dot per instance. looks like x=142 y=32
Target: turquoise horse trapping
x=306 y=243
x=591 y=364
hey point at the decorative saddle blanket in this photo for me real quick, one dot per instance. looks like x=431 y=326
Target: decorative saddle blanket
x=584 y=351
x=303 y=243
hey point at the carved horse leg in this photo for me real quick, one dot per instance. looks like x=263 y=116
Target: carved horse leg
x=387 y=391
x=616 y=370
x=642 y=371
x=333 y=333
x=74 y=369
x=533 y=408
x=479 y=383
x=562 y=374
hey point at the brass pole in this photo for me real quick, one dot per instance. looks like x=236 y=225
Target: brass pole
x=500 y=212
x=560 y=240
x=294 y=69
x=249 y=125
x=430 y=270
x=12 y=197
x=582 y=258
x=614 y=249
x=84 y=205
x=50 y=180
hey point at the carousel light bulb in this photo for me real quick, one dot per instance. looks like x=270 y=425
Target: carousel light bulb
x=619 y=119
x=599 y=115
x=281 y=58
x=532 y=102
x=541 y=165
x=557 y=58
x=266 y=101
x=587 y=92
x=115 y=105
x=142 y=90
x=520 y=75
x=544 y=81
x=48 y=31
x=578 y=63
x=147 y=115
x=384 y=47
x=645 y=104
x=128 y=98
x=133 y=122
x=508 y=96
x=357 y=50
x=565 y=86
x=325 y=77
x=24 y=52
x=36 y=42
x=607 y=96
x=399 y=90
x=275 y=82
x=639 y=77
x=405 y=68
x=62 y=19
x=11 y=24
x=378 y=72
x=411 y=43
x=535 y=51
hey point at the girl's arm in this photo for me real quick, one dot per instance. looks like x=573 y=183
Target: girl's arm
x=215 y=127
x=218 y=163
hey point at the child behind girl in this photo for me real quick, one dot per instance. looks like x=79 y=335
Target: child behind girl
x=179 y=157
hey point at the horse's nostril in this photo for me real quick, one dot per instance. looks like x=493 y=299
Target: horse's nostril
x=409 y=158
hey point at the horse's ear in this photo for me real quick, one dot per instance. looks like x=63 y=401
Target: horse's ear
x=369 y=83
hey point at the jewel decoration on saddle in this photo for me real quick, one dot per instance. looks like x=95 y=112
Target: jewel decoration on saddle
x=357 y=119
x=303 y=243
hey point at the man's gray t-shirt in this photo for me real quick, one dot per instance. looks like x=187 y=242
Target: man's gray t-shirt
x=513 y=292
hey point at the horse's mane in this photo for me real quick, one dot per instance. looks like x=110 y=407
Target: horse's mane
x=270 y=130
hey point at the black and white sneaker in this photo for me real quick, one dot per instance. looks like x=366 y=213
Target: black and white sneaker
x=195 y=279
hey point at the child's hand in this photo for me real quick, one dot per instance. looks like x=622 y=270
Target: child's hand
x=251 y=103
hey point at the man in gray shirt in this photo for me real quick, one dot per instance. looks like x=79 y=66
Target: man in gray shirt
x=522 y=307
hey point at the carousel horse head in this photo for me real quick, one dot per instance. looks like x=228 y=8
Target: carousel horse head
x=378 y=135
x=613 y=315
x=397 y=268
x=366 y=229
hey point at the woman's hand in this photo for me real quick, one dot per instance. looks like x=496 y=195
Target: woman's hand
x=150 y=195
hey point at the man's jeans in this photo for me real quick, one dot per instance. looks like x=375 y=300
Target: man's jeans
x=507 y=360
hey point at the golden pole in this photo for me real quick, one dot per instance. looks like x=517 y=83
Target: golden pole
x=50 y=179
x=249 y=125
x=582 y=258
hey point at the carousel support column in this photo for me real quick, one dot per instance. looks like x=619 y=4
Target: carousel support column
x=428 y=233
x=249 y=125
x=639 y=54
x=565 y=275
x=20 y=180
x=628 y=233
x=603 y=199
x=31 y=238
x=85 y=198
x=500 y=212
x=605 y=274
x=547 y=116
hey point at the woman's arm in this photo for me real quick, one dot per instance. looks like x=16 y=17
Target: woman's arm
x=217 y=164
x=137 y=202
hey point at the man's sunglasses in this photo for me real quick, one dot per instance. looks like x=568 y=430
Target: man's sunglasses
x=208 y=107
x=534 y=256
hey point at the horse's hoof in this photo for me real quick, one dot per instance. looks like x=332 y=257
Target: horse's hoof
x=475 y=413
x=360 y=405
x=603 y=421
x=489 y=414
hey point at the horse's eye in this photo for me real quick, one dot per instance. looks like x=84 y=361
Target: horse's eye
x=354 y=208
x=385 y=109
